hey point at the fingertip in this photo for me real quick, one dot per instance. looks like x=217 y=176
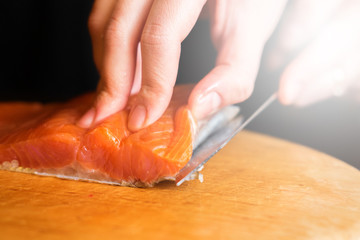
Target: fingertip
x=222 y=86
x=287 y=93
x=137 y=118
x=107 y=103
x=87 y=119
x=288 y=87
x=148 y=106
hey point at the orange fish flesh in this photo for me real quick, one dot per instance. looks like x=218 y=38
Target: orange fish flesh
x=44 y=139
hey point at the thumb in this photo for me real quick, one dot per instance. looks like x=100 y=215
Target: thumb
x=240 y=39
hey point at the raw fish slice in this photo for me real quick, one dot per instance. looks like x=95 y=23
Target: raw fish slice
x=46 y=139
x=144 y=156
x=101 y=146
x=172 y=149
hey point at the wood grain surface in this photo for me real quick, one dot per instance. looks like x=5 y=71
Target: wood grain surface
x=257 y=187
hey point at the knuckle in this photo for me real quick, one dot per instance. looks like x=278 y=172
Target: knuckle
x=116 y=32
x=154 y=35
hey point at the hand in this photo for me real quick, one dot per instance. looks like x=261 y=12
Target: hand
x=329 y=63
x=117 y=27
x=239 y=30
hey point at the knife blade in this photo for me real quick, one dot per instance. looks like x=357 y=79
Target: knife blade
x=216 y=142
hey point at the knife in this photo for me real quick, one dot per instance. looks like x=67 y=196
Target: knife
x=216 y=142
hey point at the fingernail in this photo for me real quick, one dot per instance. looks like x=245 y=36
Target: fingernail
x=291 y=93
x=137 y=117
x=207 y=105
x=87 y=119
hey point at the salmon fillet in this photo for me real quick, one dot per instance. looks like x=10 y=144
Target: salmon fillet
x=44 y=138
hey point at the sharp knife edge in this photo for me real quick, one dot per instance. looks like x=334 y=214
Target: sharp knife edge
x=194 y=164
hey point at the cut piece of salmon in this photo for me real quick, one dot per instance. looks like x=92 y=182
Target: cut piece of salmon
x=45 y=139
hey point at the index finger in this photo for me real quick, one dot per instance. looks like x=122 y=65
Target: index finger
x=167 y=25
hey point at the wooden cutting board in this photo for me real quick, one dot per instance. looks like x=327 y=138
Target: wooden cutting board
x=257 y=187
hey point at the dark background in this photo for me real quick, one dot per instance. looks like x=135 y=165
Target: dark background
x=46 y=53
x=47 y=50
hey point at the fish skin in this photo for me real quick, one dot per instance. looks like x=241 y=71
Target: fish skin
x=45 y=136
